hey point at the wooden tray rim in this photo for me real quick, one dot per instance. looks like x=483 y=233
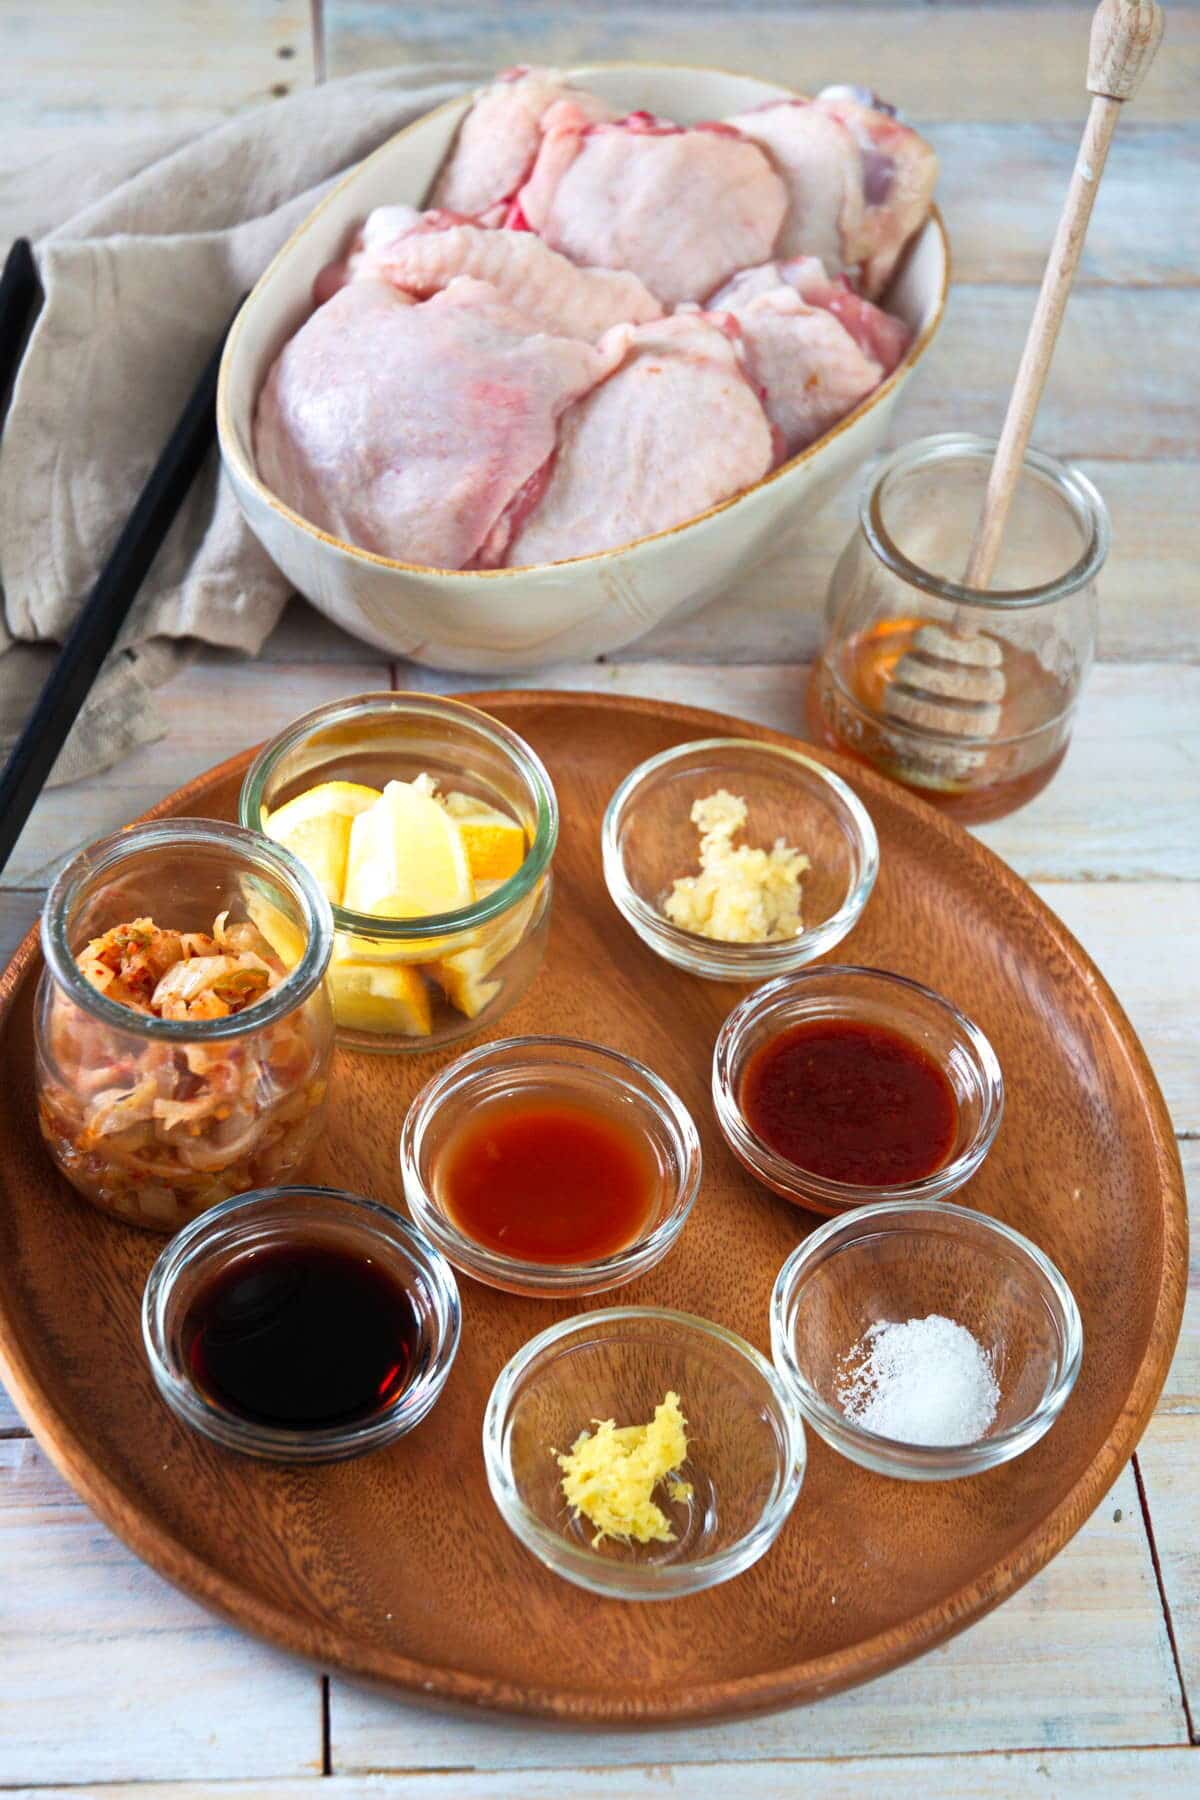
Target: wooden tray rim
x=801 y=1682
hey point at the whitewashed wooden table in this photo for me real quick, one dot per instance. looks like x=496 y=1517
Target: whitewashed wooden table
x=1088 y=1681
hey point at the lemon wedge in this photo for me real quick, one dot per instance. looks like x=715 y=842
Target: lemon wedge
x=463 y=979
x=382 y=997
x=315 y=826
x=407 y=858
x=494 y=841
x=463 y=975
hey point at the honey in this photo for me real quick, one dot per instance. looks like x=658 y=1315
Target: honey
x=989 y=778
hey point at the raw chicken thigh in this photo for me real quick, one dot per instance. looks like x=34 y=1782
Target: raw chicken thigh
x=423 y=252
x=676 y=430
x=819 y=162
x=682 y=209
x=808 y=366
x=899 y=176
x=499 y=138
x=422 y=432
x=878 y=334
x=859 y=182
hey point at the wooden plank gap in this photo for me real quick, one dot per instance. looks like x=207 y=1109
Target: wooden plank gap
x=326 y=1732
x=1103 y=456
x=1018 y=284
x=1067 y=1774
x=1027 y=1753
x=1169 y=1622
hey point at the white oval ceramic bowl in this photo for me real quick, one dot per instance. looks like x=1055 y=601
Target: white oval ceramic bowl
x=497 y=619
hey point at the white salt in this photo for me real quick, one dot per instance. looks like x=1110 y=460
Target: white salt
x=924 y=1382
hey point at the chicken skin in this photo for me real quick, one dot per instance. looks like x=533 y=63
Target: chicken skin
x=810 y=370
x=419 y=431
x=859 y=183
x=878 y=334
x=682 y=209
x=423 y=252
x=498 y=141
x=677 y=429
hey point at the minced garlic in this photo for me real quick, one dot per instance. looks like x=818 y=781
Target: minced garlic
x=609 y=1475
x=742 y=896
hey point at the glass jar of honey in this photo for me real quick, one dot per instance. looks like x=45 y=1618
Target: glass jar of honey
x=966 y=695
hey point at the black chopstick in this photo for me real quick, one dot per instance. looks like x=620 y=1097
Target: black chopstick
x=95 y=631
x=20 y=294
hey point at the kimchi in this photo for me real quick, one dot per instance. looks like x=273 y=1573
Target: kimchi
x=157 y=1128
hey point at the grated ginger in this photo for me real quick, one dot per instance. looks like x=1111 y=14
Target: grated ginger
x=742 y=895
x=609 y=1475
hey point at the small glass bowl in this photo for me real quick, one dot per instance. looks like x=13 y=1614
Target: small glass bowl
x=560 y=1068
x=618 y=1364
x=648 y=841
x=420 y=984
x=907 y=1259
x=875 y=997
x=271 y=1217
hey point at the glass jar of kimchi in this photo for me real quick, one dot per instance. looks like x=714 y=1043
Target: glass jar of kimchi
x=183 y=1026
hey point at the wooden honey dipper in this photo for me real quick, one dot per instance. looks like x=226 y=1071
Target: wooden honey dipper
x=952 y=678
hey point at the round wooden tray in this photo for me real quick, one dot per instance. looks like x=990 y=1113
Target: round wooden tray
x=398 y=1567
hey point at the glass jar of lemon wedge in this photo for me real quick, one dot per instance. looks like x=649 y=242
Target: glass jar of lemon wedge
x=431 y=828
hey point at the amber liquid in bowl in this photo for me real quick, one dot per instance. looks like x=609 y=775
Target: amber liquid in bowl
x=548 y=1179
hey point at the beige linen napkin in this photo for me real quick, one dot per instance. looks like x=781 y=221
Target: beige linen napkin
x=139 y=281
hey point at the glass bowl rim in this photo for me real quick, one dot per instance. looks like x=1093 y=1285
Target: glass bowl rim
x=552 y=1278
x=832 y=1425
x=368 y=1217
x=739 y=961
x=1072 y=484
x=848 y=1195
x=556 y=1551
x=401 y=700
x=107 y=853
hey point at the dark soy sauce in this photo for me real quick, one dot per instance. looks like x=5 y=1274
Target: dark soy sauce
x=301 y=1336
